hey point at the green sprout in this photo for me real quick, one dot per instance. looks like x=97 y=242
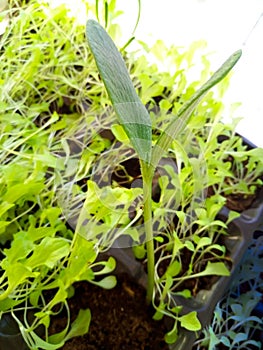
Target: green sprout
x=136 y=121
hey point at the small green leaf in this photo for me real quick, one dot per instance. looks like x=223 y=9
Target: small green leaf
x=48 y=252
x=177 y=244
x=4 y=207
x=216 y=268
x=43 y=318
x=213 y=340
x=3 y=224
x=160 y=311
x=172 y=336
x=139 y=251
x=36 y=233
x=203 y=241
x=225 y=341
x=81 y=324
x=20 y=248
x=108 y=266
x=186 y=293
x=7 y=304
x=119 y=133
x=17 y=274
x=232 y=215
x=189 y=245
x=60 y=296
x=20 y=190
x=81 y=257
x=190 y=321
x=173 y=269
x=108 y=282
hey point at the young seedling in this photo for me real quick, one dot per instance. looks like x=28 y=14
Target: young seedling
x=136 y=121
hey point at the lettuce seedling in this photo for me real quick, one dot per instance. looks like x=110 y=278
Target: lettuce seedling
x=136 y=121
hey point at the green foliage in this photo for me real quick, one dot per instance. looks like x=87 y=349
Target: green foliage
x=190 y=321
x=52 y=100
x=136 y=121
x=43 y=58
x=246 y=171
x=106 y=211
x=232 y=161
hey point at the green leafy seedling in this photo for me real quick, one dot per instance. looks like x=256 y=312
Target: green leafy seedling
x=136 y=121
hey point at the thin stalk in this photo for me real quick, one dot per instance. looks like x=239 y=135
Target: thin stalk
x=147 y=213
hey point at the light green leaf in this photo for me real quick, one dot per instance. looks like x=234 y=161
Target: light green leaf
x=213 y=341
x=130 y=111
x=3 y=224
x=189 y=245
x=20 y=248
x=168 y=285
x=173 y=269
x=7 y=304
x=108 y=282
x=172 y=336
x=190 y=321
x=119 y=133
x=108 y=266
x=43 y=318
x=36 y=233
x=160 y=311
x=49 y=160
x=139 y=251
x=177 y=244
x=232 y=215
x=20 y=190
x=225 y=341
x=48 y=252
x=16 y=274
x=202 y=242
x=4 y=207
x=60 y=296
x=186 y=293
x=216 y=268
x=81 y=324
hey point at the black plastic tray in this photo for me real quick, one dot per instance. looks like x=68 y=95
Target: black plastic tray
x=240 y=235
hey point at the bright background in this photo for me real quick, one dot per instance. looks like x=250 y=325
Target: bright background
x=225 y=25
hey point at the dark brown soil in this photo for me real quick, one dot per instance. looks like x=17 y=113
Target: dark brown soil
x=120 y=318
x=238 y=201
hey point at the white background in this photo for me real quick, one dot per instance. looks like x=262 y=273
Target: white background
x=225 y=25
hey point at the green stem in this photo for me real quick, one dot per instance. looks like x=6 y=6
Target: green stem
x=147 y=195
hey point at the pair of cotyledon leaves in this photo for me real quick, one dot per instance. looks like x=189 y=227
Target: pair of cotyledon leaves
x=129 y=109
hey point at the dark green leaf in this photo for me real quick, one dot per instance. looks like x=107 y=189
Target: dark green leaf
x=130 y=111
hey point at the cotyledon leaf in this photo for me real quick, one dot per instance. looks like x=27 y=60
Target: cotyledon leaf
x=176 y=126
x=129 y=109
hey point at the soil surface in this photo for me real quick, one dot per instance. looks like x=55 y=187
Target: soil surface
x=120 y=318
x=240 y=202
